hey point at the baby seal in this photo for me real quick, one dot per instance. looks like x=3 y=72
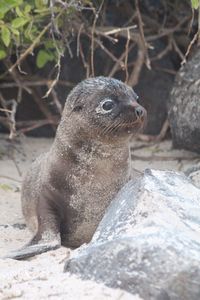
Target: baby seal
x=67 y=190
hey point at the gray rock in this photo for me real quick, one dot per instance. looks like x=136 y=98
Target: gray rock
x=194 y=174
x=184 y=108
x=148 y=242
x=195 y=177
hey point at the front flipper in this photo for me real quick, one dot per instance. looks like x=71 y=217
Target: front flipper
x=49 y=215
x=32 y=250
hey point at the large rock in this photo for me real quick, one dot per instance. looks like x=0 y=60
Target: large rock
x=184 y=106
x=148 y=242
x=194 y=174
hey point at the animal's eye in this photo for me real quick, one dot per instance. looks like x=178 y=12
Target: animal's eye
x=108 y=105
x=136 y=97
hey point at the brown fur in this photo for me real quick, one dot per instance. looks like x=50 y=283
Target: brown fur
x=67 y=190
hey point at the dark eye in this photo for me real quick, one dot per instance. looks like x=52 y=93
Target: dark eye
x=108 y=105
x=136 y=97
x=77 y=108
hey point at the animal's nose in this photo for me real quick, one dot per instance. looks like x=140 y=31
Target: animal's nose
x=139 y=111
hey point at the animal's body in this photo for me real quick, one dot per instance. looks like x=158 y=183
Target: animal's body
x=67 y=190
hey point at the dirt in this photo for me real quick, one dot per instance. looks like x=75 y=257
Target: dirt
x=42 y=277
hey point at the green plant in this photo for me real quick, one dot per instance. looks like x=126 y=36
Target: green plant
x=27 y=24
x=195 y=4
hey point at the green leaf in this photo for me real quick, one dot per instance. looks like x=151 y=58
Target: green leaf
x=2 y=54
x=49 y=44
x=12 y=3
x=14 y=31
x=18 y=12
x=27 y=9
x=43 y=57
x=195 y=4
x=41 y=3
x=6 y=5
x=28 y=31
x=5 y=35
x=19 y=22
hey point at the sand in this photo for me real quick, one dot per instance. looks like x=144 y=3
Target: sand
x=42 y=277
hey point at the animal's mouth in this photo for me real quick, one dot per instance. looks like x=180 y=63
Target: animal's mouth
x=126 y=127
x=135 y=125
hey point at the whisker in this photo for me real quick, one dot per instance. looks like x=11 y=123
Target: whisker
x=113 y=127
x=108 y=128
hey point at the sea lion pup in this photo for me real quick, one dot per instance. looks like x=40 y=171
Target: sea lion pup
x=67 y=190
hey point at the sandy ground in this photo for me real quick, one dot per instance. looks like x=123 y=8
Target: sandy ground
x=42 y=277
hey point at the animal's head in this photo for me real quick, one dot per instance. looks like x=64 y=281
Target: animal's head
x=105 y=107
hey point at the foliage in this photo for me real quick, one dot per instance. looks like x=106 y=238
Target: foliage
x=22 y=21
x=115 y=38
x=195 y=4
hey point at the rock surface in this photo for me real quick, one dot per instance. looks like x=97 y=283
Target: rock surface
x=184 y=108
x=194 y=174
x=148 y=242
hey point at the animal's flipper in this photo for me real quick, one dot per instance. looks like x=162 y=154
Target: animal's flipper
x=48 y=235
x=36 y=245
x=30 y=251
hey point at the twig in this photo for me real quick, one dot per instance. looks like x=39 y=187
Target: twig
x=53 y=23
x=191 y=22
x=56 y=101
x=10 y=115
x=16 y=165
x=167 y=31
x=31 y=125
x=178 y=51
x=115 y=59
x=54 y=82
x=189 y=48
x=116 y=30
x=163 y=131
x=155 y=138
x=30 y=48
x=92 y=39
x=35 y=83
x=126 y=55
x=143 y=41
x=169 y=71
x=134 y=77
x=78 y=40
x=5 y=110
x=85 y=64
x=163 y=52
x=54 y=120
x=119 y=61
x=18 y=80
x=43 y=108
x=110 y=38
x=12 y=118
x=34 y=44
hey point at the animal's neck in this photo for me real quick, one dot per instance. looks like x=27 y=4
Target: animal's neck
x=92 y=159
x=77 y=148
x=90 y=148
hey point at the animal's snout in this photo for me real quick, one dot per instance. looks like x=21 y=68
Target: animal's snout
x=140 y=112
